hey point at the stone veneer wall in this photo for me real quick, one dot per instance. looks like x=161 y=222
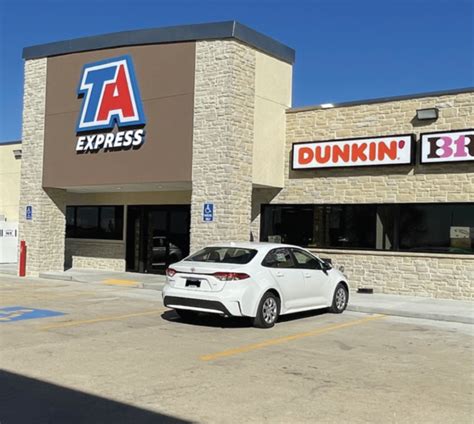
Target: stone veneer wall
x=436 y=275
x=44 y=234
x=446 y=277
x=104 y=254
x=224 y=101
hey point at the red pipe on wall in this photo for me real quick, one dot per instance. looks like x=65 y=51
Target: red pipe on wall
x=22 y=265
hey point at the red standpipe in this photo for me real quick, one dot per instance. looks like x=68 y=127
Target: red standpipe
x=22 y=267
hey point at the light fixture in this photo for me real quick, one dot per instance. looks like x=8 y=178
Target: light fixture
x=326 y=105
x=17 y=153
x=430 y=114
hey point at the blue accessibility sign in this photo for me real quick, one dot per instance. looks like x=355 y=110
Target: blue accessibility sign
x=208 y=212
x=19 y=313
x=29 y=213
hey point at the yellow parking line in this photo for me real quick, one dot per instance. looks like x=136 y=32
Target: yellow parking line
x=272 y=342
x=128 y=283
x=102 y=319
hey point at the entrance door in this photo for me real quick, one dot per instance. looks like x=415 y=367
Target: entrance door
x=156 y=237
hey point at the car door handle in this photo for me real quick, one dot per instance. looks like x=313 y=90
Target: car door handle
x=307 y=275
x=279 y=274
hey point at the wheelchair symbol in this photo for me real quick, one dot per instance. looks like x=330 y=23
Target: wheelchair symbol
x=10 y=315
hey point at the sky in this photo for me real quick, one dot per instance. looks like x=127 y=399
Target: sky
x=345 y=49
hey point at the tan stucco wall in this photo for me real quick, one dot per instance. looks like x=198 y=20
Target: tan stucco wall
x=10 y=169
x=130 y=198
x=273 y=80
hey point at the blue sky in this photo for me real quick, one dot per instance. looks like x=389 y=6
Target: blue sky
x=345 y=49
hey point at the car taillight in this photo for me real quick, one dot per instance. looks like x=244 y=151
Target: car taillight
x=230 y=276
x=170 y=272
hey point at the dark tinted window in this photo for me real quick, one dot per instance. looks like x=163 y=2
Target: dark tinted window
x=436 y=227
x=279 y=258
x=94 y=222
x=227 y=255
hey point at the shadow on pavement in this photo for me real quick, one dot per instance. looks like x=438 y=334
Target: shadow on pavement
x=215 y=320
x=28 y=400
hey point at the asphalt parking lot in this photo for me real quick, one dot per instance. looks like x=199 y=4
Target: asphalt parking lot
x=87 y=353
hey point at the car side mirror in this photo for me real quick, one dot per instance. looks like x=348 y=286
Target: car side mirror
x=326 y=266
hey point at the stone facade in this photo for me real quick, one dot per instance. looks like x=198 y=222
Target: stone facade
x=436 y=275
x=44 y=234
x=416 y=274
x=224 y=102
x=95 y=254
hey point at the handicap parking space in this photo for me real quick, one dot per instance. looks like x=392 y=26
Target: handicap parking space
x=120 y=343
x=20 y=313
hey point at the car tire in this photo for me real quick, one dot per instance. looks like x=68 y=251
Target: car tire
x=186 y=315
x=339 y=300
x=268 y=311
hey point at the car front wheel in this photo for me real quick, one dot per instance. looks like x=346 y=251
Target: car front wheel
x=339 y=301
x=268 y=311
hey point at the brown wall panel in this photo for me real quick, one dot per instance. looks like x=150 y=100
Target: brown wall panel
x=165 y=76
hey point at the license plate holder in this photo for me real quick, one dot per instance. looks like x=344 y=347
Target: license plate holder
x=193 y=283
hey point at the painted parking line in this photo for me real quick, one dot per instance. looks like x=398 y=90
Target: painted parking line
x=280 y=340
x=100 y=319
x=20 y=313
x=125 y=283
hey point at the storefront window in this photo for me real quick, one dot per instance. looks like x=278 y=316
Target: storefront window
x=94 y=222
x=442 y=228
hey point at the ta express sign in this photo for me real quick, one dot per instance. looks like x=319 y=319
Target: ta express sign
x=386 y=150
x=110 y=98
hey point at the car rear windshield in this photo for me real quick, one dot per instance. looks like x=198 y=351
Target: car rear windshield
x=225 y=255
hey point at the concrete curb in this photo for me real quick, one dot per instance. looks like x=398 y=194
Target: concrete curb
x=55 y=277
x=411 y=314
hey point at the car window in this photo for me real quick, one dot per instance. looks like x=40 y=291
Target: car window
x=227 y=255
x=279 y=258
x=305 y=260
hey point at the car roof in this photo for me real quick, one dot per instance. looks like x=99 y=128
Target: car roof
x=258 y=245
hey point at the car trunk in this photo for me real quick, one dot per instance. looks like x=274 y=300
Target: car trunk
x=199 y=275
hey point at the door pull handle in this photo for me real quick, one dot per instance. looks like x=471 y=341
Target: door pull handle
x=307 y=275
x=279 y=274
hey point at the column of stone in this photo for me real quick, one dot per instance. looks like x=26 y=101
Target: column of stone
x=44 y=233
x=222 y=143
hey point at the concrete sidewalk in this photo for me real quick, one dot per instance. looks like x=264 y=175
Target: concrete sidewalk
x=413 y=307
x=387 y=304
x=126 y=279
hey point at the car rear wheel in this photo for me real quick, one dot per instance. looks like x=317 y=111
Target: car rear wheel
x=186 y=315
x=268 y=311
x=339 y=301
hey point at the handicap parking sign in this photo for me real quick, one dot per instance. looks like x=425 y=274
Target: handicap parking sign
x=19 y=313
x=208 y=212
x=29 y=213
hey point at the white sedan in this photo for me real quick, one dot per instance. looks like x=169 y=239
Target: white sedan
x=258 y=280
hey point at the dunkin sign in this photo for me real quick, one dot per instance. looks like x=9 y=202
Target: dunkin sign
x=385 y=150
x=447 y=146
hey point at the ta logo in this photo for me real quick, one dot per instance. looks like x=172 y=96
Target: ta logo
x=110 y=98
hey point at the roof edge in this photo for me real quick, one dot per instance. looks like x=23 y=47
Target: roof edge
x=7 y=143
x=382 y=100
x=172 y=34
